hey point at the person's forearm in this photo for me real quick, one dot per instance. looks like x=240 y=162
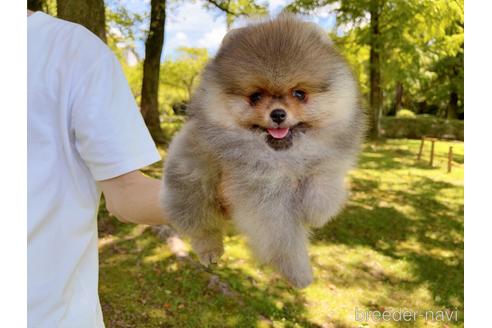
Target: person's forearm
x=134 y=198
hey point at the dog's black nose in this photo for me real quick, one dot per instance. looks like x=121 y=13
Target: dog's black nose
x=278 y=115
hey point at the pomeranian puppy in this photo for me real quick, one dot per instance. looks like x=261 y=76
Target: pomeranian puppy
x=274 y=126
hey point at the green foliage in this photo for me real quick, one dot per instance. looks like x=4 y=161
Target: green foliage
x=422 y=125
x=49 y=7
x=120 y=29
x=179 y=77
x=120 y=24
x=357 y=57
x=134 y=76
x=398 y=244
x=182 y=74
x=236 y=8
x=405 y=113
x=421 y=43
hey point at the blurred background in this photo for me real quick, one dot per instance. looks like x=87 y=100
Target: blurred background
x=399 y=242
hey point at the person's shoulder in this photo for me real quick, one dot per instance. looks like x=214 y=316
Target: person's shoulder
x=86 y=44
x=78 y=41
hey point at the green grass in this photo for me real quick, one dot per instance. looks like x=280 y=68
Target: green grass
x=398 y=245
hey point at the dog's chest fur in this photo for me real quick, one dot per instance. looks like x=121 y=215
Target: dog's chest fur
x=252 y=175
x=268 y=188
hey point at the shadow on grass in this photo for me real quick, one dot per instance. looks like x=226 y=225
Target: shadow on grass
x=434 y=229
x=172 y=292
x=146 y=286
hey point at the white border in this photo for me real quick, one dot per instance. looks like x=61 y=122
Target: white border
x=478 y=169
x=13 y=140
x=478 y=166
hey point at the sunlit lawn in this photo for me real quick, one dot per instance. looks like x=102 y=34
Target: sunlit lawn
x=398 y=245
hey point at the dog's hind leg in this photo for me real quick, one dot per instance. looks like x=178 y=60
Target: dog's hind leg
x=277 y=238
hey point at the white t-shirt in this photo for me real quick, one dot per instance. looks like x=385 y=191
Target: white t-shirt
x=83 y=126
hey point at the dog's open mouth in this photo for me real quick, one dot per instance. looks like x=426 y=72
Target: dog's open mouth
x=281 y=138
x=278 y=133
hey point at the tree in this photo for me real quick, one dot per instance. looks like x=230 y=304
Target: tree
x=35 y=5
x=447 y=82
x=404 y=41
x=121 y=30
x=355 y=12
x=446 y=86
x=375 y=97
x=151 y=70
x=89 y=13
x=47 y=6
x=236 y=8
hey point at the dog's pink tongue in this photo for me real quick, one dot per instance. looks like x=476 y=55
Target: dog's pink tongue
x=278 y=133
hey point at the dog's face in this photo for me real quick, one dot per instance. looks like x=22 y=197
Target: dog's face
x=278 y=79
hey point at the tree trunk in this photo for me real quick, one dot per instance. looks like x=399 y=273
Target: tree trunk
x=453 y=106
x=398 y=96
x=151 y=69
x=375 y=94
x=89 y=13
x=35 y=5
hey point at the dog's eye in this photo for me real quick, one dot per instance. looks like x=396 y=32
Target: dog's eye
x=299 y=94
x=255 y=97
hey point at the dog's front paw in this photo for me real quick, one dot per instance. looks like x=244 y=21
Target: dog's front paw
x=208 y=249
x=320 y=205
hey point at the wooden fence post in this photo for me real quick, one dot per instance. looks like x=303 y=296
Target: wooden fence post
x=420 y=150
x=432 y=153
x=450 y=158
